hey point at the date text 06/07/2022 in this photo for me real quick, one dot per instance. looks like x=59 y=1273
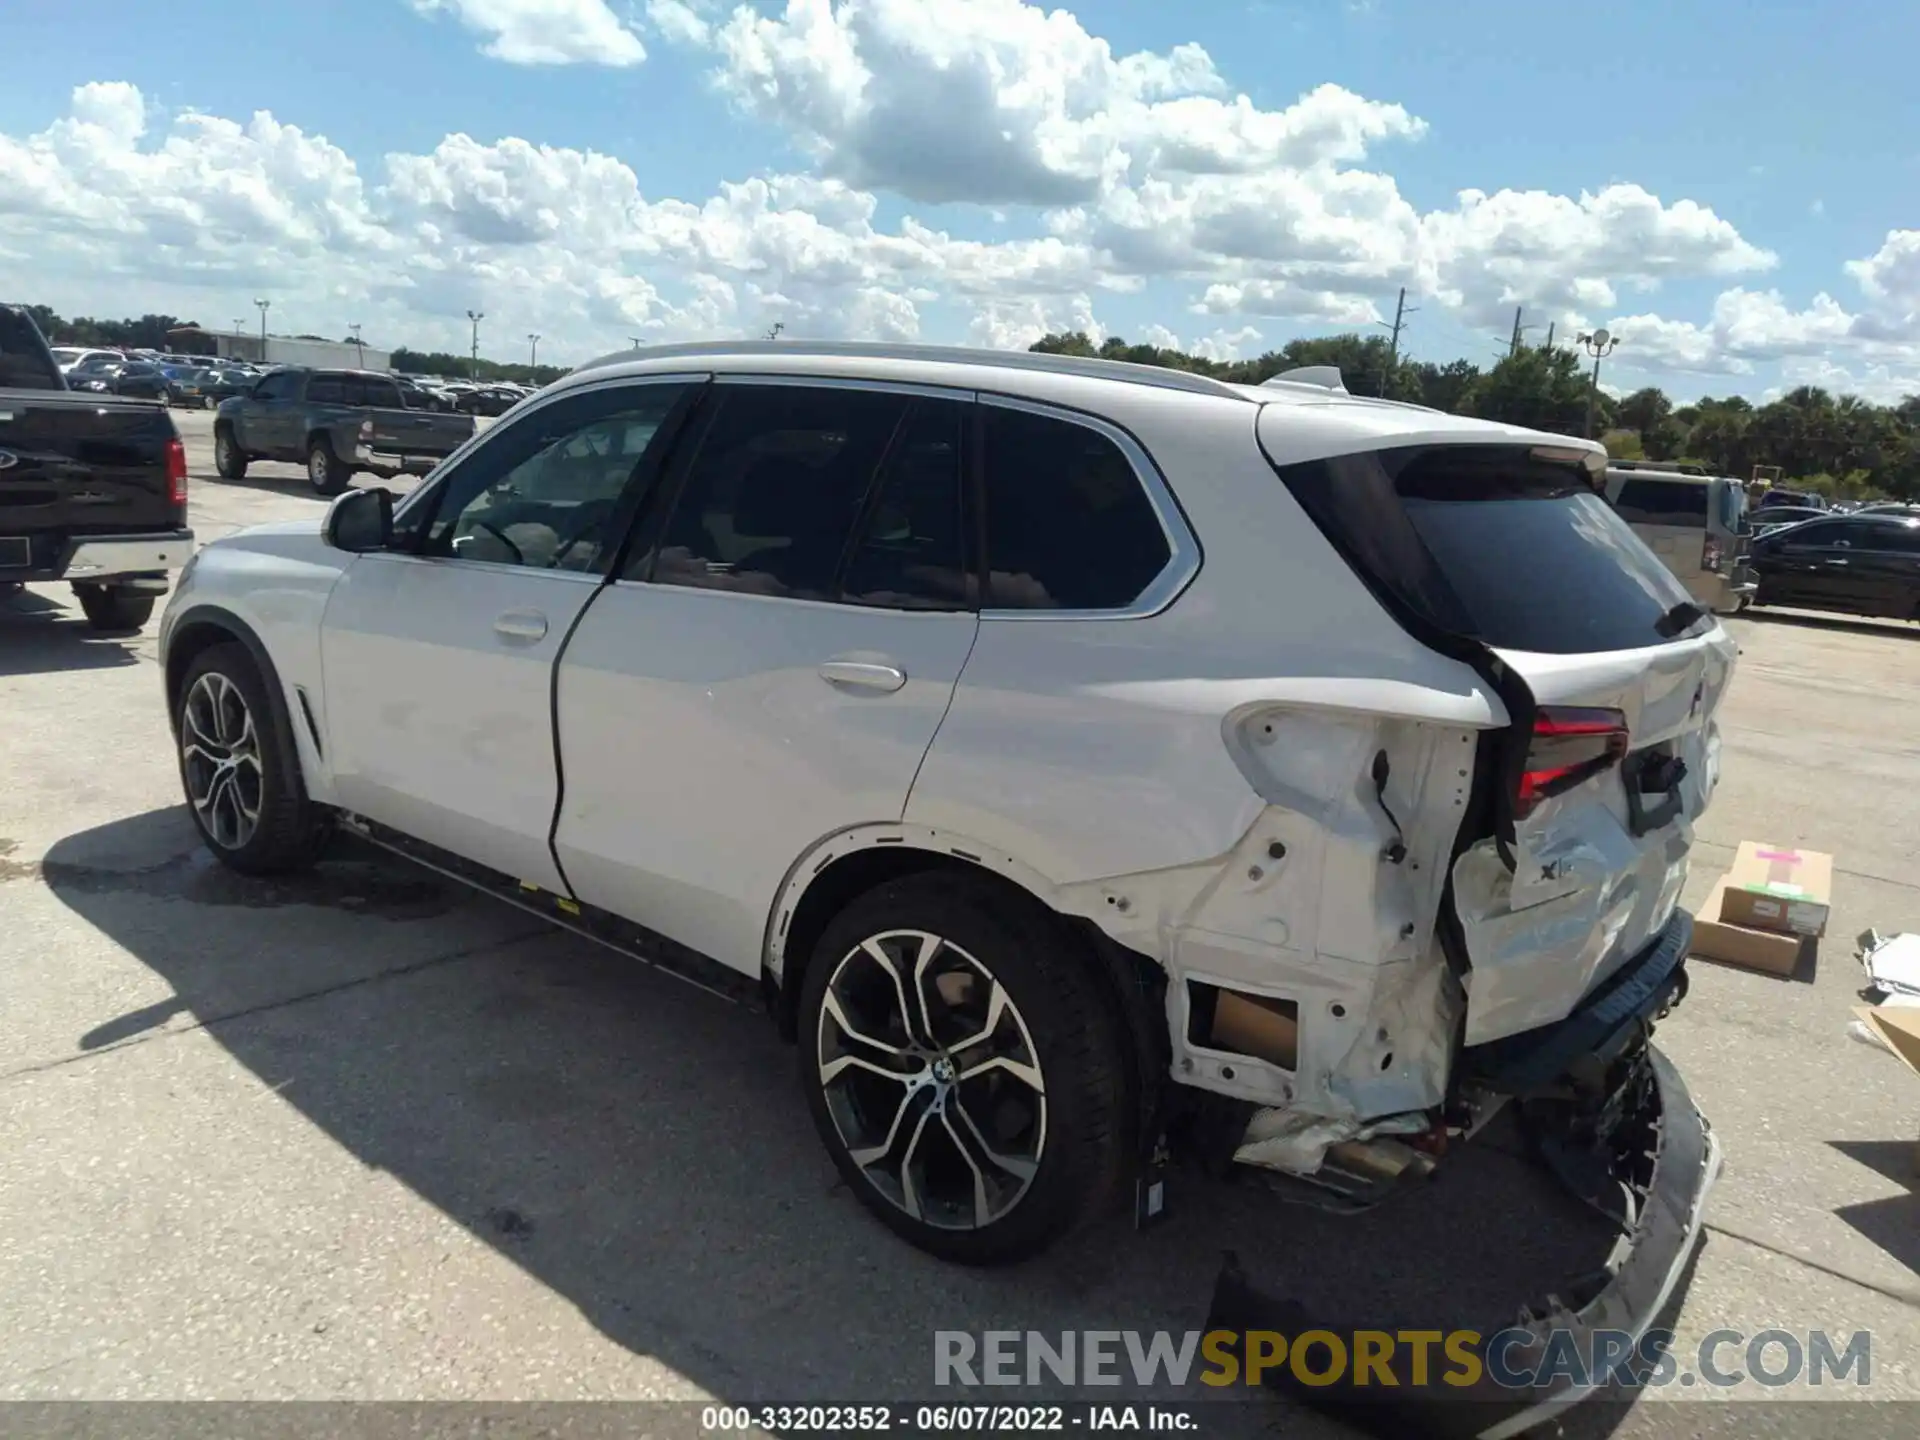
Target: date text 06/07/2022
x=937 y=1419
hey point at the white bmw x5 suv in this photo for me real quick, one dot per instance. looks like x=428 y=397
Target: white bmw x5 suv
x=1081 y=759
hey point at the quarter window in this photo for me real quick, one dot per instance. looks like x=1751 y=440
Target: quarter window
x=544 y=492
x=1068 y=525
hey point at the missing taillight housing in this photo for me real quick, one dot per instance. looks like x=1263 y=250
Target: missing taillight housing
x=1711 y=553
x=176 y=471
x=1571 y=744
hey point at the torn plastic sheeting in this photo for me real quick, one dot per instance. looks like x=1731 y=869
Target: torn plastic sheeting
x=1297 y=1143
x=1532 y=965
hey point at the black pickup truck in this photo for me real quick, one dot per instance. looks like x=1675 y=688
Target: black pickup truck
x=93 y=488
x=334 y=422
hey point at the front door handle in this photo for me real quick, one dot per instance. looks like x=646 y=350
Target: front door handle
x=863 y=675
x=521 y=625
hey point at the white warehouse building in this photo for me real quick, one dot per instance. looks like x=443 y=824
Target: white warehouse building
x=278 y=349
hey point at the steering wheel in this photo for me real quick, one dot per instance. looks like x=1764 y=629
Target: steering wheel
x=591 y=515
x=500 y=535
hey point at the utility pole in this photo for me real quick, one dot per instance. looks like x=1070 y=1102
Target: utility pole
x=636 y=340
x=358 y=349
x=1400 y=313
x=239 y=328
x=533 y=350
x=1599 y=344
x=263 y=304
x=1549 y=344
x=473 y=358
x=1514 y=347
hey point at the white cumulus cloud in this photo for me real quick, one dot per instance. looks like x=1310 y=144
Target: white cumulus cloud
x=545 y=32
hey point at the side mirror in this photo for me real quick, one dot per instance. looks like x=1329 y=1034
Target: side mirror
x=359 y=521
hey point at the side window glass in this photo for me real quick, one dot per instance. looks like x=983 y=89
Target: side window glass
x=326 y=390
x=381 y=394
x=276 y=387
x=543 y=494
x=770 y=501
x=1068 y=525
x=912 y=553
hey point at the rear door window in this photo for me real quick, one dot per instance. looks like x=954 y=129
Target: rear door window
x=327 y=390
x=772 y=497
x=1645 y=501
x=1489 y=543
x=1068 y=524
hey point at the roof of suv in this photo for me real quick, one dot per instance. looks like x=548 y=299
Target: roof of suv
x=1339 y=420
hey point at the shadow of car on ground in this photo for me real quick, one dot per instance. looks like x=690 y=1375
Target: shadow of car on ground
x=642 y=1149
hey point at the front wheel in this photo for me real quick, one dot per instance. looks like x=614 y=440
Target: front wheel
x=966 y=1068
x=240 y=770
x=325 y=471
x=228 y=458
x=112 y=608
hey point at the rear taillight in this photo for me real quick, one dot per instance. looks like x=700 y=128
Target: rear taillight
x=1570 y=745
x=176 y=471
x=1710 y=553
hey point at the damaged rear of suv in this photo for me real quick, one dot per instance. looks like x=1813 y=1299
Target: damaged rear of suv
x=1381 y=821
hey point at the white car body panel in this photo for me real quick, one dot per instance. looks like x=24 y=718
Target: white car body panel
x=705 y=751
x=439 y=716
x=1586 y=893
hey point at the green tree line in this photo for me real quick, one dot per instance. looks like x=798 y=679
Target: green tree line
x=1840 y=445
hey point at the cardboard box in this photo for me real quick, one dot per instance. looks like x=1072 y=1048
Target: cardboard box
x=1715 y=938
x=1899 y=1027
x=1776 y=887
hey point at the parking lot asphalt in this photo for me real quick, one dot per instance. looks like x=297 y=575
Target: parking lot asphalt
x=364 y=1135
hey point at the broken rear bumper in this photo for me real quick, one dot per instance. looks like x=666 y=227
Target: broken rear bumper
x=1657 y=1250
x=1646 y=1268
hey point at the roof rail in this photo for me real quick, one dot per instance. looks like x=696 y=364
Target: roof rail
x=1326 y=377
x=1090 y=366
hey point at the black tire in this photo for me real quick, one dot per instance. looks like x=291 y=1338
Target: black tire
x=228 y=458
x=1060 y=1003
x=289 y=831
x=326 y=472
x=114 y=609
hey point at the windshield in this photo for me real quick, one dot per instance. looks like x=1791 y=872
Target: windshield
x=1489 y=543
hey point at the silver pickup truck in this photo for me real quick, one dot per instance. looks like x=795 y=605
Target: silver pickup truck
x=334 y=422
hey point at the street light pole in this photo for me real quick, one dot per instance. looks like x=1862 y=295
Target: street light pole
x=473 y=360
x=533 y=350
x=1600 y=344
x=358 y=349
x=263 y=304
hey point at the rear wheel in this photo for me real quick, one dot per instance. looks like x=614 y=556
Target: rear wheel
x=965 y=1068
x=228 y=458
x=325 y=471
x=113 y=608
x=239 y=768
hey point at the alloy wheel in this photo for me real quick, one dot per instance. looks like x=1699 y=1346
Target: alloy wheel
x=220 y=759
x=317 y=466
x=932 y=1080
x=222 y=450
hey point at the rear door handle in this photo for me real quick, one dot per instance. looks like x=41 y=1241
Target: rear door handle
x=521 y=625
x=863 y=675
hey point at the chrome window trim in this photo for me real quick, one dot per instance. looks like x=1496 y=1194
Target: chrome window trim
x=1183 y=558
x=539 y=401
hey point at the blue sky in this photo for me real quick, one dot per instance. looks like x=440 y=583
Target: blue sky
x=1732 y=187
